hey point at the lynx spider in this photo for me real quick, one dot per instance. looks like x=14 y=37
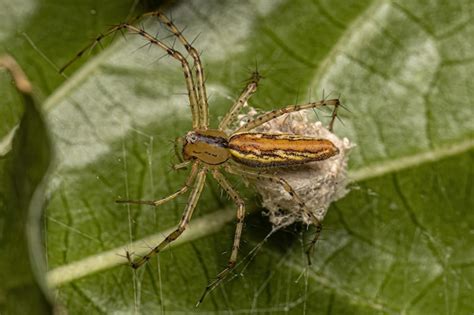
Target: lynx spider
x=212 y=150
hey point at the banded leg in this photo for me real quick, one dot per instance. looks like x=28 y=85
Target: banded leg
x=243 y=98
x=183 y=223
x=238 y=232
x=260 y=120
x=201 y=88
x=182 y=190
x=170 y=51
x=301 y=204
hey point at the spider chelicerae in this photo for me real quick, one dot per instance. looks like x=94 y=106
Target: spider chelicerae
x=242 y=152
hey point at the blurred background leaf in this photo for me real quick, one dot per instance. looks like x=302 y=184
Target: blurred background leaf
x=400 y=242
x=24 y=159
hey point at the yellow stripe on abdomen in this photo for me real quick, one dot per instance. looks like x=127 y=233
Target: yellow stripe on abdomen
x=278 y=150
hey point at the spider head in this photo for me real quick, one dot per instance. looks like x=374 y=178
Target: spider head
x=208 y=146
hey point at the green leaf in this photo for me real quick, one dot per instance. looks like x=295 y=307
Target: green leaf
x=43 y=35
x=24 y=160
x=399 y=242
x=40 y=35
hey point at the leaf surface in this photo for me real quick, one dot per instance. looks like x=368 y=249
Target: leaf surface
x=399 y=242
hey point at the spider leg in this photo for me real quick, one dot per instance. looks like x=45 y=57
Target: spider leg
x=333 y=117
x=181 y=165
x=182 y=190
x=260 y=120
x=287 y=187
x=193 y=101
x=177 y=142
x=183 y=223
x=238 y=232
x=240 y=102
x=22 y=83
x=201 y=87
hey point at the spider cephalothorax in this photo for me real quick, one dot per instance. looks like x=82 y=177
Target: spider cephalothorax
x=209 y=146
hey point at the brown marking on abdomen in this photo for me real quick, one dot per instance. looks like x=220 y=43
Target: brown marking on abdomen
x=278 y=150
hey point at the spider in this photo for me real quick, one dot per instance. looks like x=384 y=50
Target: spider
x=242 y=152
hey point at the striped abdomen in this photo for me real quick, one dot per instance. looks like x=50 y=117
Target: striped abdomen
x=277 y=150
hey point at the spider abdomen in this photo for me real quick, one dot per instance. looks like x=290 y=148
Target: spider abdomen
x=278 y=150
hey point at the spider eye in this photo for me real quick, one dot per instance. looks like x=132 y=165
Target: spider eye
x=191 y=138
